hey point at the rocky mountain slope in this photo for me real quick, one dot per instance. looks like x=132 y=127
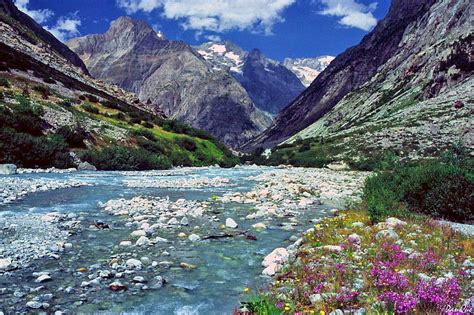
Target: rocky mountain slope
x=270 y=85
x=174 y=76
x=407 y=86
x=307 y=69
x=50 y=106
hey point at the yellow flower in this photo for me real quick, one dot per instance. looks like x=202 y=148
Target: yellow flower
x=322 y=313
x=277 y=282
x=246 y=290
x=287 y=308
x=311 y=311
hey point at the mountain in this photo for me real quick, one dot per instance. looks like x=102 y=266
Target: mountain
x=271 y=85
x=53 y=113
x=34 y=33
x=174 y=76
x=407 y=86
x=307 y=69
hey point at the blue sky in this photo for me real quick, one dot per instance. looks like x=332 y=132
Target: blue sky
x=280 y=28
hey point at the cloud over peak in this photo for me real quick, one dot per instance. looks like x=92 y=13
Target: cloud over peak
x=216 y=15
x=351 y=13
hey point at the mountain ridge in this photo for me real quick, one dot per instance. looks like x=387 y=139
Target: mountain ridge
x=174 y=76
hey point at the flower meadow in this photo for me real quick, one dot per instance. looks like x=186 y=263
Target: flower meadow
x=347 y=265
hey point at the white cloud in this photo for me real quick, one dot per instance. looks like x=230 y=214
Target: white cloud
x=351 y=13
x=39 y=16
x=213 y=38
x=216 y=15
x=66 y=27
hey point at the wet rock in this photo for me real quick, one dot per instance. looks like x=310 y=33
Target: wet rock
x=86 y=166
x=182 y=235
x=259 y=226
x=143 y=241
x=133 y=263
x=7 y=169
x=230 y=223
x=117 y=287
x=194 y=237
x=139 y=279
x=157 y=282
x=145 y=261
x=125 y=243
x=43 y=278
x=105 y=274
x=160 y=240
x=138 y=233
x=6 y=263
x=184 y=221
x=187 y=266
x=34 y=305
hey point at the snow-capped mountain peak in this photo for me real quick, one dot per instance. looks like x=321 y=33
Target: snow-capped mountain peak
x=307 y=69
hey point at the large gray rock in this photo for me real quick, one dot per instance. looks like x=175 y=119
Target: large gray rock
x=86 y=166
x=7 y=169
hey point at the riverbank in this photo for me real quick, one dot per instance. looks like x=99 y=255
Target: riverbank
x=346 y=264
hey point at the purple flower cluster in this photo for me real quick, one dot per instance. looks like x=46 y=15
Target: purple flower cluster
x=402 y=302
x=346 y=296
x=428 y=260
x=388 y=278
x=439 y=293
x=391 y=255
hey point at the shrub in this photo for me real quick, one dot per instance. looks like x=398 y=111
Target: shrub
x=89 y=108
x=154 y=147
x=119 y=116
x=74 y=136
x=180 y=158
x=187 y=143
x=110 y=104
x=43 y=151
x=309 y=159
x=23 y=117
x=437 y=189
x=43 y=90
x=144 y=133
x=4 y=82
x=146 y=124
x=125 y=159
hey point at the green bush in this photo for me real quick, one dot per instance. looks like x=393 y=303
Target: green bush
x=23 y=117
x=180 y=158
x=152 y=146
x=26 y=150
x=145 y=133
x=309 y=159
x=89 y=108
x=4 y=82
x=437 y=189
x=43 y=90
x=125 y=159
x=187 y=143
x=74 y=136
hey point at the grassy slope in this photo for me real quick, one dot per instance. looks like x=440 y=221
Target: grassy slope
x=172 y=144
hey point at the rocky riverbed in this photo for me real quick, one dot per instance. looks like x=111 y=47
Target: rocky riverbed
x=189 y=237
x=16 y=187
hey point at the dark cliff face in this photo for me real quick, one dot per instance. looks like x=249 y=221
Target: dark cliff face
x=346 y=73
x=33 y=32
x=173 y=76
x=270 y=85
